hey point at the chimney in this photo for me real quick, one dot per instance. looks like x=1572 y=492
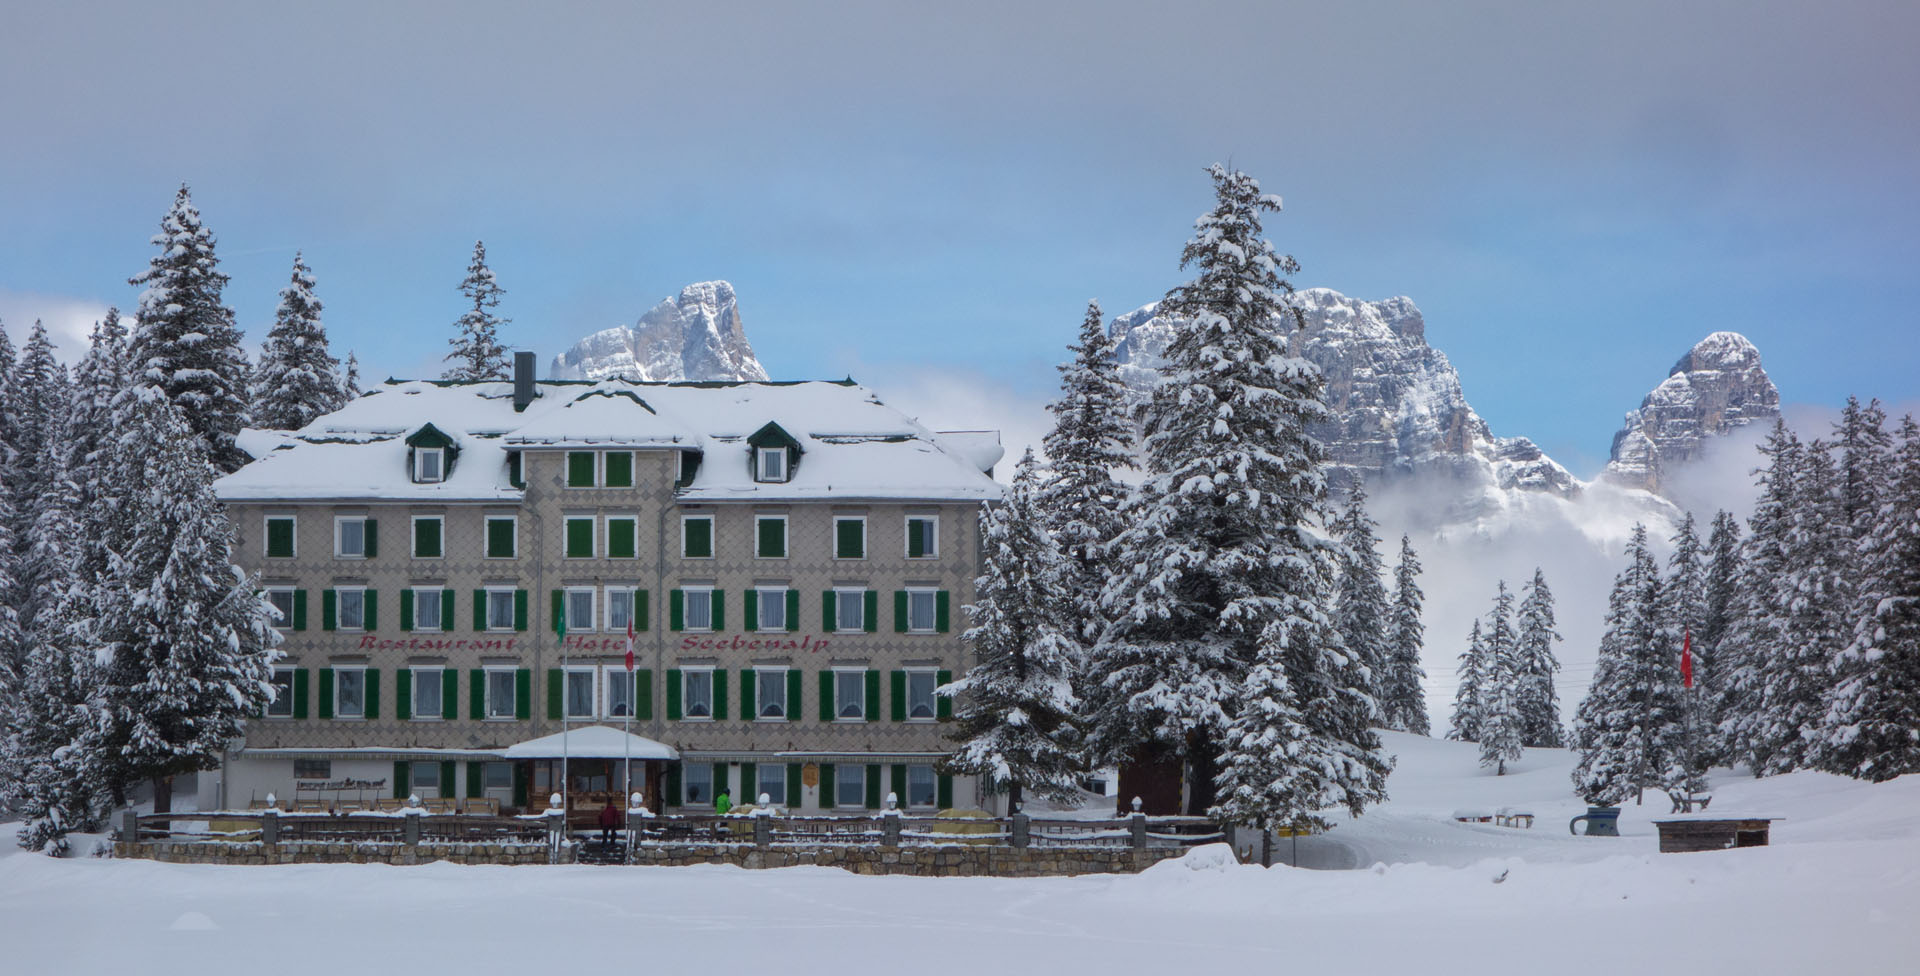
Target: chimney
x=522 y=380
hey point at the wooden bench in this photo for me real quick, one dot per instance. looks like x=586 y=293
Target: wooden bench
x=1688 y=802
x=1514 y=817
x=487 y=806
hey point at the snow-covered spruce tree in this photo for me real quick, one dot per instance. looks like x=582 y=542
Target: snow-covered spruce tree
x=1863 y=450
x=1501 y=729
x=1757 y=633
x=1361 y=611
x=1871 y=729
x=40 y=400
x=350 y=381
x=1818 y=611
x=1684 y=612
x=1403 y=700
x=1629 y=724
x=297 y=379
x=1722 y=606
x=185 y=343
x=1464 y=726
x=1016 y=707
x=185 y=637
x=1218 y=646
x=477 y=353
x=1079 y=504
x=1539 y=703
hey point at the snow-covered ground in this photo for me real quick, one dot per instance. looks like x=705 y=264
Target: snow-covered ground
x=1837 y=892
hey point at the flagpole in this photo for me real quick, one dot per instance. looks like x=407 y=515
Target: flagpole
x=566 y=747
x=626 y=744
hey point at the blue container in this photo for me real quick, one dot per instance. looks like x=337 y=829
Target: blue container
x=1601 y=822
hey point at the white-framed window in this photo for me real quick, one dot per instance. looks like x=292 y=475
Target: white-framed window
x=349 y=692
x=429 y=464
x=350 y=608
x=771 y=464
x=426 y=780
x=281 y=597
x=619 y=609
x=770 y=693
x=580 y=691
x=618 y=682
x=696 y=784
x=501 y=692
x=281 y=536
x=850 y=694
x=497 y=776
x=579 y=608
x=849 y=610
x=500 y=609
x=920 y=786
x=922 y=706
x=849 y=537
x=696 y=537
x=697 y=613
x=427 y=605
x=503 y=536
x=772 y=783
x=350 y=537
x=427 y=688
x=772 y=610
x=696 y=693
x=282 y=704
x=429 y=536
x=921 y=606
x=923 y=536
x=850 y=785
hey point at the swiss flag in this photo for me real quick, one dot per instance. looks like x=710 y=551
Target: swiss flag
x=1686 y=659
x=629 y=640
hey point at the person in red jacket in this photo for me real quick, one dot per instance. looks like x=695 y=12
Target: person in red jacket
x=609 y=820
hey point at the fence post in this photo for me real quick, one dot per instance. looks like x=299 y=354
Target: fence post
x=270 y=827
x=762 y=830
x=411 y=835
x=1139 y=826
x=890 y=829
x=130 y=826
x=1022 y=830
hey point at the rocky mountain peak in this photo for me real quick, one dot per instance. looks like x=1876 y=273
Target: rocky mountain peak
x=696 y=335
x=1717 y=386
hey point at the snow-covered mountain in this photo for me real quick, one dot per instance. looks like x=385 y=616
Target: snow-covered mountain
x=696 y=335
x=1716 y=387
x=1398 y=408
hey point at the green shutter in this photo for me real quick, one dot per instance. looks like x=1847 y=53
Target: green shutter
x=871 y=610
x=676 y=610
x=514 y=475
x=827 y=799
x=943 y=792
x=621 y=539
x=476 y=779
x=500 y=537
x=795 y=789
x=748 y=689
x=673 y=694
x=299 y=609
x=450 y=694
x=523 y=693
x=446 y=611
x=553 y=694
x=826 y=696
x=559 y=610
x=899 y=784
x=406 y=609
x=943 y=704
x=719 y=610
x=698 y=538
x=477 y=694
x=373 y=693
x=873 y=787
x=579 y=538
x=752 y=616
x=579 y=469
x=402 y=778
x=640 y=615
x=372 y=533
x=897 y=684
x=872 y=713
x=426 y=538
x=300 y=693
x=329 y=612
x=793 y=694
x=828 y=615
x=721 y=775
x=672 y=798
x=403 y=694
x=326 y=692
x=480 y=610
x=619 y=466
x=719 y=693
x=849 y=539
x=643 y=694
x=370 y=610
x=917 y=538
x=899 y=611
x=446 y=778
x=521 y=786
x=940 y=612
x=520 y=610
x=793 y=611
x=280 y=537
x=771 y=534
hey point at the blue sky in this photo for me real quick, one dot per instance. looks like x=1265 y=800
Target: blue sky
x=1573 y=195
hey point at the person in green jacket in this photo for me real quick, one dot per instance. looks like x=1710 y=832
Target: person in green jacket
x=722 y=803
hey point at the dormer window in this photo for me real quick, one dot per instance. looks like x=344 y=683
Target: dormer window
x=773 y=464
x=429 y=464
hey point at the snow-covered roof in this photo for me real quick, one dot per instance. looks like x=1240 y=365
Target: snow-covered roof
x=591 y=742
x=852 y=445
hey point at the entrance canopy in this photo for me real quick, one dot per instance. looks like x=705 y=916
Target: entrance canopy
x=592 y=742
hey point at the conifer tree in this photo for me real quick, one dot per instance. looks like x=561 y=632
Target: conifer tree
x=477 y=353
x=1863 y=450
x=185 y=343
x=1361 y=611
x=1722 y=594
x=1079 y=504
x=1403 y=698
x=1501 y=720
x=1017 y=704
x=185 y=637
x=298 y=379
x=1757 y=635
x=1467 y=698
x=1539 y=703
x=1818 y=584
x=1629 y=725
x=350 y=382
x=1218 y=646
x=1684 y=612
